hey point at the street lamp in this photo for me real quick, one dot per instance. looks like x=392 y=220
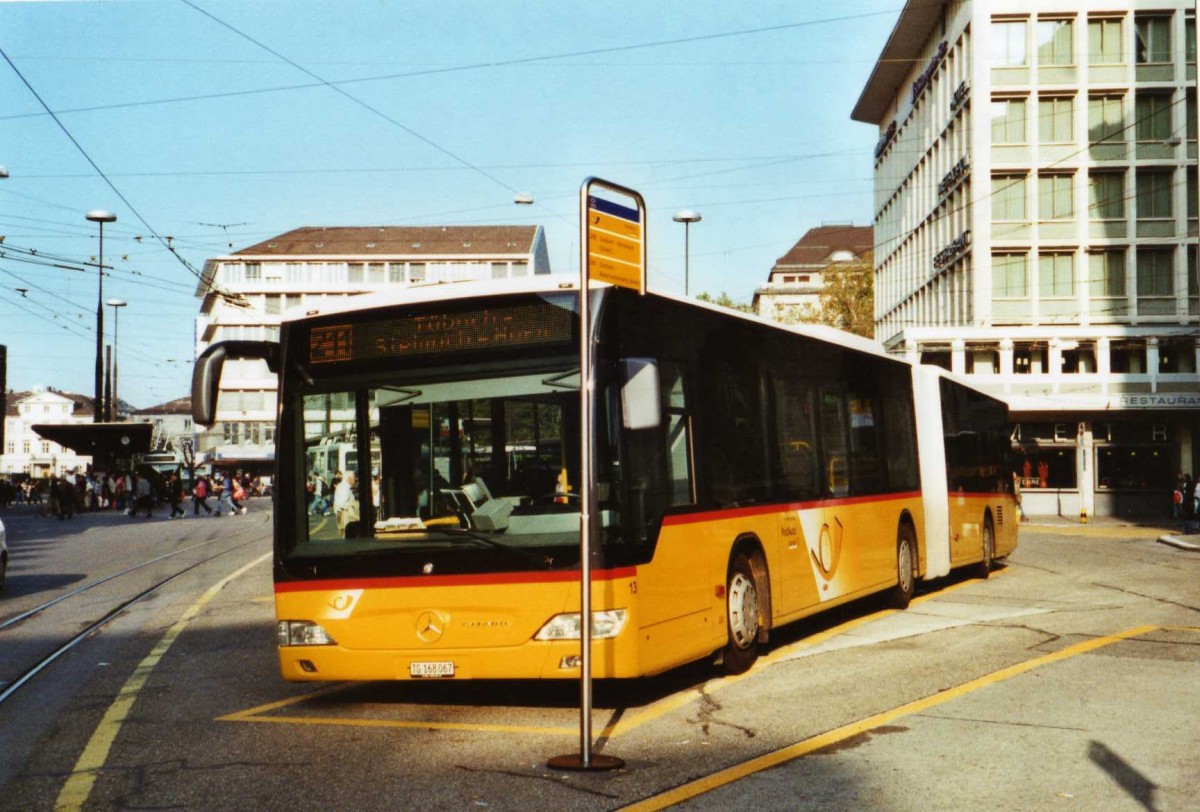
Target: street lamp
x=114 y=403
x=100 y=216
x=687 y=217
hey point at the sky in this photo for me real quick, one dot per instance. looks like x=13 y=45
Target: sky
x=207 y=126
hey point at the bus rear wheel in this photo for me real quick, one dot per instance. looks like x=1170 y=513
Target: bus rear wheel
x=741 y=614
x=906 y=558
x=984 y=567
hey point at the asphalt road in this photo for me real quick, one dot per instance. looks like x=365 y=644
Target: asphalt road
x=1067 y=680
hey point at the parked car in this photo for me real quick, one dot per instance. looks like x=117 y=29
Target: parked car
x=3 y=554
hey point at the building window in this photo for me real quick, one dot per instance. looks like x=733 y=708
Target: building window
x=1010 y=277
x=1155 y=272
x=1189 y=40
x=499 y=270
x=45 y=448
x=1106 y=119
x=1106 y=274
x=1153 y=194
x=1152 y=112
x=1191 y=192
x=1056 y=276
x=1105 y=39
x=1008 y=197
x=1128 y=358
x=396 y=273
x=1008 y=44
x=1106 y=195
x=253 y=272
x=1008 y=121
x=1056 y=197
x=416 y=272
x=1056 y=120
x=1056 y=42
x=274 y=304
x=1190 y=96
x=25 y=447
x=1153 y=39
x=356 y=273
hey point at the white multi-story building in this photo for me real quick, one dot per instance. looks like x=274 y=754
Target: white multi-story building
x=245 y=294
x=793 y=289
x=1035 y=230
x=25 y=451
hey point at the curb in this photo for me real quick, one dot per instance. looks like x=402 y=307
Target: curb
x=1178 y=543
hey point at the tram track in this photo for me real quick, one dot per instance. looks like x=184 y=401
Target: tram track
x=123 y=603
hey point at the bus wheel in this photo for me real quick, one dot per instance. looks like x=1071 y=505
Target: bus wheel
x=984 y=567
x=906 y=557
x=741 y=613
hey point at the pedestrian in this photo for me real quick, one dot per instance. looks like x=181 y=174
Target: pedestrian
x=237 y=495
x=200 y=497
x=143 y=496
x=175 y=495
x=224 y=494
x=345 y=506
x=1189 y=495
x=320 y=502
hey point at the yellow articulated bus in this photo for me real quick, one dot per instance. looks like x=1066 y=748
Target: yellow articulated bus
x=746 y=475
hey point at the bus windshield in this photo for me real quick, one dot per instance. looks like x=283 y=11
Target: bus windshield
x=481 y=465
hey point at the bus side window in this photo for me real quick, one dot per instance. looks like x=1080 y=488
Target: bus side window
x=835 y=467
x=678 y=435
x=795 y=436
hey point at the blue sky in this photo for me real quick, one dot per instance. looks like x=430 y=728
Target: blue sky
x=206 y=120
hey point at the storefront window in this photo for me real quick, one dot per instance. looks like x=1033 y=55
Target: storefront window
x=1045 y=455
x=1134 y=468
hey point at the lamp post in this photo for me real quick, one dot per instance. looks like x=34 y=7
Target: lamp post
x=687 y=217
x=113 y=403
x=100 y=216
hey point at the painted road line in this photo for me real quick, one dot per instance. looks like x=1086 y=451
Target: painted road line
x=792 y=752
x=78 y=788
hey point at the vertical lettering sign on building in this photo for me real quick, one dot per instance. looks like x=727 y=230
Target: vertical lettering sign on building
x=614 y=244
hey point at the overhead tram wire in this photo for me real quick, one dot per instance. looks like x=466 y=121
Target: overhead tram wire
x=487 y=65
x=368 y=107
x=110 y=184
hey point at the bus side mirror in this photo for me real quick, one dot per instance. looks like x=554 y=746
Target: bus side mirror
x=640 y=403
x=206 y=376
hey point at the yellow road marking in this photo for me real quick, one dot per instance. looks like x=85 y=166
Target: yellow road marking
x=790 y=753
x=78 y=787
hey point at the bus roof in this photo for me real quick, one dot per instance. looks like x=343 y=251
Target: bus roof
x=551 y=283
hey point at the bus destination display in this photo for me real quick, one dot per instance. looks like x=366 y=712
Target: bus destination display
x=441 y=333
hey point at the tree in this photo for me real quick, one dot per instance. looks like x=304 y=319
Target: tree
x=723 y=299
x=848 y=300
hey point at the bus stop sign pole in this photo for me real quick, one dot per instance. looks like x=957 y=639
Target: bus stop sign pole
x=612 y=244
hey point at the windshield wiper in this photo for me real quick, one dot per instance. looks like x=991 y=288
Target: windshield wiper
x=459 y=533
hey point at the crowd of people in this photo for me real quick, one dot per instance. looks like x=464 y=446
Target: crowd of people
x=136 y=493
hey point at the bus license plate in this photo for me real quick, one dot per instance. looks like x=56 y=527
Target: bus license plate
x=438 y=670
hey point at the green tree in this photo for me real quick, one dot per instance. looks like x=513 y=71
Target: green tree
x=848 y=300
x=723 y=299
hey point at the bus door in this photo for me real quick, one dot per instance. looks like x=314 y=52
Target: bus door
x=831 y=548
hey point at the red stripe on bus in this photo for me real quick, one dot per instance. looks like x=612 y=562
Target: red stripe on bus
x=763 y=510
x=480 y=579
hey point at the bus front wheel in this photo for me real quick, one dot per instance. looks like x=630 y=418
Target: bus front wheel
x=741 y=613
x=906 y=557
x=984 y=568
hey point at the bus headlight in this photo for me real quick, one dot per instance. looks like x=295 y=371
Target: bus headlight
x=302 y=633
x=566 y=626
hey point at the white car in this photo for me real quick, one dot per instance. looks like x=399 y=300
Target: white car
x=3 y=555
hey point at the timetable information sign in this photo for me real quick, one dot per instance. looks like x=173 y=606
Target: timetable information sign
x=615 y=236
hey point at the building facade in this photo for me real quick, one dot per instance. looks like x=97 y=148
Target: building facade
x=25 y=452
x=245 y=295
x=1035 y=231
x=793 y=289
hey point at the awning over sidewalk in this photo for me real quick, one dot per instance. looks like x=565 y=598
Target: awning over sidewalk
x=103 y=442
